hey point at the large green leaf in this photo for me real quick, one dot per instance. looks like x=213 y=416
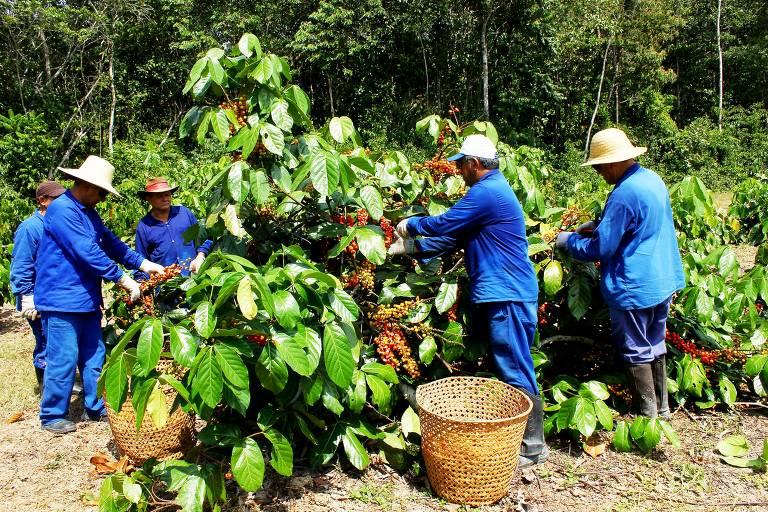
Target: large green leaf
x=208 y=382
x=734 y=446
x=357 y=393
x=237 y=186
x=205 y=319
x=343 y=305
x=372 y=201
x=248 y=464
x=446 y=296
x=273 y=138
x=427 y=350
x=579 y=296
x=271 y=369
x=293 y=354
x=140 y=391
x=287 y=308
x=220 y=125
x=249 y=45
x=584 y=418
x=341 y=128
x=354 y=450
x=382 y=396
x=324 y=172
x=553 y=278
x=337 y=355
x=371 y=245
x=310 y=340
x=621 y=439
x=116 y=381
x=149 y=347
x=156 y=407
x=183 y=345
x=410 y=423
x=281 y=457
x=326 y=446
x=383 y=371
x=232 y=221
x=280 y=115
x=232 y=366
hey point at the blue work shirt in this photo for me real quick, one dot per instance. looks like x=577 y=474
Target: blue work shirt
x=76 y=252
x=635 y=242
x=163 y=242
x=25 y=244
x=489 y=223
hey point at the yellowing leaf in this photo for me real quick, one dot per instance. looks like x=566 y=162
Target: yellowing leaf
x=156 y=407
x=245 y=299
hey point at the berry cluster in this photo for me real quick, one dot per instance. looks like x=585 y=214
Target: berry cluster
x=572 y=217
x=708 y=357
x=389 y=231
x=393 y=349
x=438 y=167
x=147 y=288
x=621 y=392
x=445 y=131
x=544 y=313
x=453 y=314
x=385 y=315
x=258 y=339
x=240 y=108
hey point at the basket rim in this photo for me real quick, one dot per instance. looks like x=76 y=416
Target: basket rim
x=508 y=419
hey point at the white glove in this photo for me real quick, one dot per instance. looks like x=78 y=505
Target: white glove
x=590 y=225
x=131 y=286
x=28 y=310
x=561 y=242
x=151 y=268
x=402 y=246
x=402 y=229
x=194 y=265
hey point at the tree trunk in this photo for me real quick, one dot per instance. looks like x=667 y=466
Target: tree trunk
x=114 y=100
x=597 y=102
x=426 y=67
x=330 y=95
x=720 y=58
x=486 y=107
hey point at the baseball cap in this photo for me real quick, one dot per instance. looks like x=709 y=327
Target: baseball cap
x=50 y=189
x=476 y=145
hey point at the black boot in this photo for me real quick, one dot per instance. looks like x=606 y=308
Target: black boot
x=640 y=380
x=533 y=449
x=659 y=367
x=39 y=374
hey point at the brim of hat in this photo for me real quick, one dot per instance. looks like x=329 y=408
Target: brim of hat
x=55 y=193
x=77 y=173
x=618 y=156
x=143 y=193
x=457 y=156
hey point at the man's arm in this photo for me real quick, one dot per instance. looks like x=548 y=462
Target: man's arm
x=432 y=247
x=605 y=240
x=468 y=212
x=25 y=245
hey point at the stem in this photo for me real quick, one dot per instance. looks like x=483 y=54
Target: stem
x=597 y=102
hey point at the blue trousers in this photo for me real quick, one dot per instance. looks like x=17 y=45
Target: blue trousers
x=74 y=341
x=38 y=353
x=638 y=334
x=511 y=329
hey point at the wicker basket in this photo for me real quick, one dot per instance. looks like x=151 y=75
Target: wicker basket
x=471 y=432
x=169 y=442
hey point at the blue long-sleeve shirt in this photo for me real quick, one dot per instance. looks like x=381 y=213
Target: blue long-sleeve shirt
x=635 y=242
x=489 y=223
x=76 y=252
x=163 y=242
x=25 y=244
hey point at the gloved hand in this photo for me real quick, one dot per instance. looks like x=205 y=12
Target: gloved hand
x=402 y=246
x=151 y=268
x=131 y=286
x=402 y=229
x=561 y=242
x=28 y=310
x=194 y=265
x=588 y=226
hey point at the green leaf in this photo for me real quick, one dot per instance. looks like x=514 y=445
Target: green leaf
x=727 y=390
x=245 y=299
x=357 y=393
x=331 y=399
x=232 y=366
x=116 y=381
x=280 y=115
x=324 y=172
x=309 y=339
x=158 y=411
x=372 y=201
x=371 y=245
x=326 y=446
x=553 y=278
x=220 y=434
x=734 y=446
x=273 y=139
x=287 y=309
x=221 y=126
x=281 y=457
x=669 y=433
x=621 y=440
x=579 y=296
x=205 y=319
x=248 y=464
x=238 y=399
x=190 y=120
x=604 y=415
x=140 y=393
x=249 y=44
x=237 y=186
x=410 y=422
x=341 y=128
x=755 y=365
x=383 y=371
x=343 y=305
x=232 y=221
x=427 y=350
x=354 y=450
x=271 y=369
x=208 y=382
x=595 y=390
x=584 y=417
x=149 y=347
x=337 y=355
x=183 y=345
x=446 y=297
x=263 y=71
x=293 y=354
x=381 y=394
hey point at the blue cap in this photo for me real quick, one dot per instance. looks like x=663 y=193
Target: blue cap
x=457 y=156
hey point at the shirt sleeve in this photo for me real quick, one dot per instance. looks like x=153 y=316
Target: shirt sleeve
x=432 y=247
x=205 y=247
x=604 y=243
x=468 y=212
x=23 y=261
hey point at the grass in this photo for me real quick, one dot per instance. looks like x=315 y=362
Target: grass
x=381 y=495
x=17 y=378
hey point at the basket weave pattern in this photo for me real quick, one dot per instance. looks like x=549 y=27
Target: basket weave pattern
x=169 y=442
x=471 y=432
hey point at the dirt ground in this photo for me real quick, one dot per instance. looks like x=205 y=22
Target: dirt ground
x=40 y=472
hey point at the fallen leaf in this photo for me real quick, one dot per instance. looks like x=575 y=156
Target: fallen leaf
x=89 y=500
x=594 y=446
x=104 y=464
x=13 y=418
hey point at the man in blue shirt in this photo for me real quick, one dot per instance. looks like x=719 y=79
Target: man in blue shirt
x=25 y=244
x=640 y=265
x=76 y=252
x=488 y=222
x=160 y=233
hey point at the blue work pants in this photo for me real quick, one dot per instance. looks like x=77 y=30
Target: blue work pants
x=639 y=334
x=511 y=330
x=38 y=353
x=74 y=341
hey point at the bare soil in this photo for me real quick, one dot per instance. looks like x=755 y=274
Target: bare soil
x=40 y=471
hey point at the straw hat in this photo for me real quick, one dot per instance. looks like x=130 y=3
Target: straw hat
x=611 y=145
x=96 y=171
x=156 y=185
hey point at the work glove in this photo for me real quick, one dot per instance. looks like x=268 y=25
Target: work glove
x=587 y=228
x=561 y=242
x=28 y=310
x=402 y=246
x=131 y=286
x=151 y=268
x=402 y=229
x=194 y=265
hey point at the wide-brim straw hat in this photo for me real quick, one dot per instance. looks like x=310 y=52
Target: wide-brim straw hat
x=155 y=186
x=612 y=145
x=96 y=171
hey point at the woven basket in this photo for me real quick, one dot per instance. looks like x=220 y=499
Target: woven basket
x=471 y=430
x=169 y=442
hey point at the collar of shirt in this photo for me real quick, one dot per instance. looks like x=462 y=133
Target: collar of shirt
x=152 y=221
x=493 y=172
x=629 y=172
x=72 y=198
x=38 y=215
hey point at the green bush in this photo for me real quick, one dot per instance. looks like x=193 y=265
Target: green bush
x=27 y=151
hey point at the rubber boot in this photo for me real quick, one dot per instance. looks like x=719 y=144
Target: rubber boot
x=641 y=385
x=533 y=449
x=659 y=367
x=39 y=375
